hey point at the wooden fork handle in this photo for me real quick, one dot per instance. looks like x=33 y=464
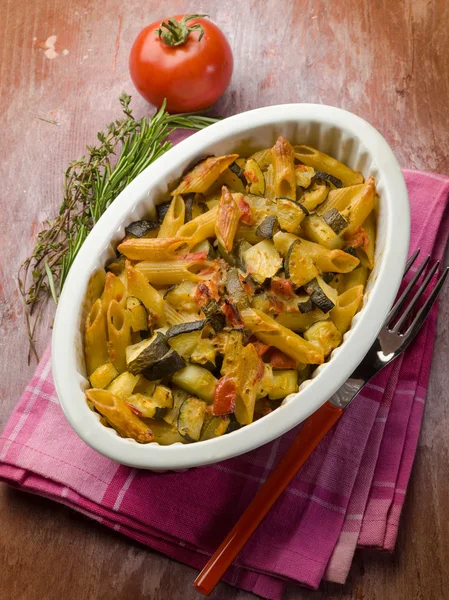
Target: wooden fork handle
x=310 y=435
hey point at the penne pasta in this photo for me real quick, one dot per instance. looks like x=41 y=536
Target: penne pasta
x=228 y=217
x=174 y=218
x=120 y=415
x=204 y=174
x=301 y=322
x=140 y=288
x=95 y=338
x=339 y=198
x=114 y=289
x=284 y=176
x=274 y=334
x=346 y=307
x=201 y=227
x=360 y=207
x=171 y=272
x=119 y=335
x=358 y=276
x=317 y=230
x=268 y=176
x=123 y=385
x=323 y=162
x=155 y=248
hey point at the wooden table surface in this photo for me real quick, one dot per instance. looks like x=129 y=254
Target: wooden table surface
x=387 y=62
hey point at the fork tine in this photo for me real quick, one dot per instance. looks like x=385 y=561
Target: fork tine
x=400 y=303
x=421 y=315
x=411 y=260
x=416 y=297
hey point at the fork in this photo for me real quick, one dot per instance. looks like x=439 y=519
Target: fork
x=392 y=340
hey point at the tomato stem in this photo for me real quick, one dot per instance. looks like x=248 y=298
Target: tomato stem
x=175 y=33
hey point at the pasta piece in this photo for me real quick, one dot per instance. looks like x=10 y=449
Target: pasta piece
x=274 y=334
x=301 y=322
x=139 y=287
x=174 y=218
x=204 y=174
x=154 y=248
x=317 y=230
x=314 y=196
x=200 y=228
x=339 y=198
x=323 y=162
x=358 y=276
x=119 y=335
x=324 y=335
x=113 y=290
x=366 y=250
x=171 y=272
x=123 y=385
x=95 y=338
x=346 y=307
x=304 y=175
x=251 y=371
x=284 y=169
x=360 y=207
x=228 y=217
x=173 y=317
x=120 y=416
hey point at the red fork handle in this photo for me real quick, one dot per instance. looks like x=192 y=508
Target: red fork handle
x=311 y=434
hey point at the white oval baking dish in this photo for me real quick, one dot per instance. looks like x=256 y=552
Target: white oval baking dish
x=332 y=130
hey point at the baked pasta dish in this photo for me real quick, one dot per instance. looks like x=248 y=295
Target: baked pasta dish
x=222 y=302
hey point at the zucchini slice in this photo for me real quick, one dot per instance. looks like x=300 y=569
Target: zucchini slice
x=335 y=220
x=262 y=261
x=169 y=364
x=182 y=296
x=179 y=396
x=214 y=427
x=290 y=214
x=225 y=255
x=188 y=201
x=138 y=314
x=237 y=170
x=161 y=210
x=204 y=354
x=215 y=315
x=305 y=303
x=141 y=356
x=322 y=295
x=205 y=246
x=284 y=382
x=239 y=252
x=191 y=419
x=298 y=265
x=117 y=266
x=268 y=227
x=196 y=380
x=140 y=228
x=328 y=177
x=255 y=178
x=185 y=328
x=235 y=289
x=185 y=343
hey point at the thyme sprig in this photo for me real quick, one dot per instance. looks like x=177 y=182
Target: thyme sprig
x=126 y=147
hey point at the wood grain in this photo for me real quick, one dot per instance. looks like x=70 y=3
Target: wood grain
x=387 y=62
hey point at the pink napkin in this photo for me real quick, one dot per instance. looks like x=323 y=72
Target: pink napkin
x=350 y=493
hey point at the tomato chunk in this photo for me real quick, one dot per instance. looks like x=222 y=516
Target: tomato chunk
x=225 y=394
x=279 y=360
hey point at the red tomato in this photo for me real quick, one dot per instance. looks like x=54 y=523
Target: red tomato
x=233 y=318
x=191 y=67
x=279 y=360
x=246 y=215
x=283 y=287
x=225 y=394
